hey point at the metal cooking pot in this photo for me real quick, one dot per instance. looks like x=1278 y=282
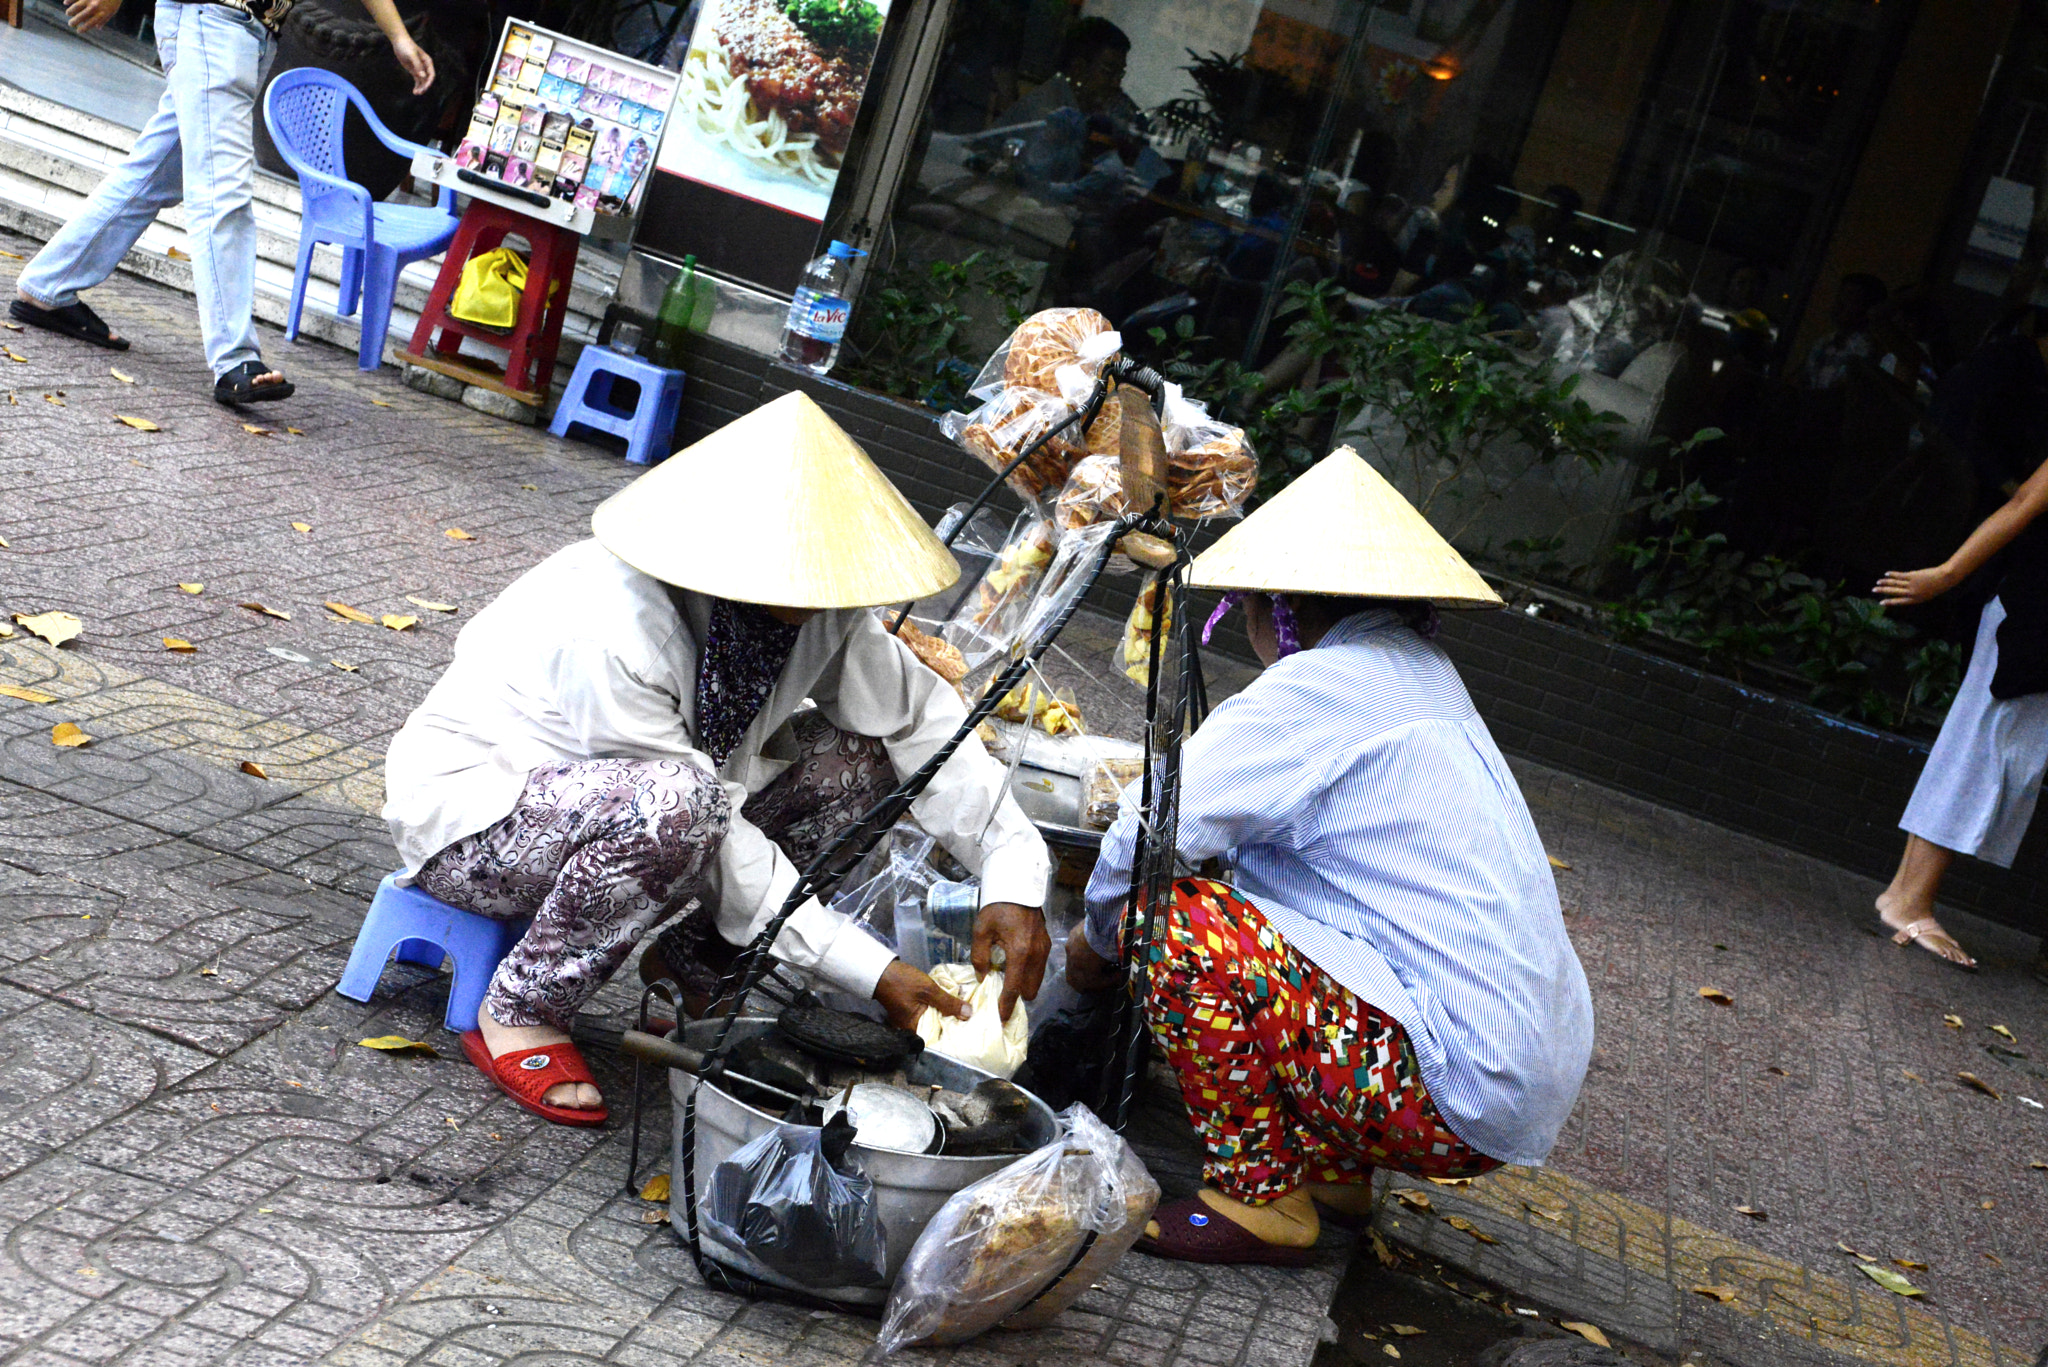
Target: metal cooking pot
x=909 y=1187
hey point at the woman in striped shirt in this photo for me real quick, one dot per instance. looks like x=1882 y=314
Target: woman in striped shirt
x=1386 y=979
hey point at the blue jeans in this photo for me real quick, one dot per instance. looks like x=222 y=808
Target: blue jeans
x=199 y=146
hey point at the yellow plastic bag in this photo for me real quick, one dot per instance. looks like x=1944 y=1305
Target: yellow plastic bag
x=488 y=294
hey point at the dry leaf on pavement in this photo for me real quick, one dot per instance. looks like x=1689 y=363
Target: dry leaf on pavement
x=13 y=256
x=25 y=694
x=1890 y=1280
x=1977 y=1084
x=457 y=534
x=185 y=647
x=2037 y=1164
x=1723 y=1294
x=267 y=612
x=180 y=254
x=130 y=379
x=253 y=430
x=307 y=527
x=1551 y=1213
x=1382 y=1250
x=2008 y=1036
x=1450 y=1181
x=399 y=1044
x=398 y=623
x=1404 y=1330
x=1590 y=1333
x=1752 y=1212
x=431 y=606
x=139 y=424
x=1952 y=1022
x=250 y=766
x=54 y=399
x=1910 y=1264
x=352 y=614
x=1850 y=1251
x=3 y=543
x=18 y=358
x=54 y=627
x=353 y=668
x=1465 y=1226
x=381 y=403
x=657 y=1188
x=1912 y=1076
x=1390 y=1350
x=1555 y=863
x=1414 y=1200
x=66 y=735
x=1717 y=996
x=1981 y=1205
x=193 y=588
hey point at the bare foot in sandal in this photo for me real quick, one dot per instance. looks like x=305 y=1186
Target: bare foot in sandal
x=511 y=1039
x=75 y=319
x=1906 y=908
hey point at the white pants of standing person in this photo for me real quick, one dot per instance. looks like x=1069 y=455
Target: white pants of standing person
x=199 y=147
x=1976 y=796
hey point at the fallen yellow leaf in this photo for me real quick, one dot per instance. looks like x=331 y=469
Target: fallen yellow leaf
x=1552 y=1213
x=1555 y=863
x=3 y=543
x=1981 y=1205
x=25 y=694
x=14 y=256
x=1977 y=1084
x=1414 y=1200
x=201 y=588
x=1850 y=1251
x=1382 y=1250
x=1723 y=1294
x=130 y=379
x=253 y=430
x=1717 y=996
x=2008 y=1036
x=2037 y=1164
x=1751 y=1211
x=185 y=647
x=250 y=766
x=267 y=612
x=54 y=400
x=1952 y=1022
x=139 y=424
x=532 y=488
x=398 y=623
x=1390 y=1350
x=457 y=534
x=399 y=1044
x=1994 y=1260
x=15 y=356
x=352 y=614
x=1465 y=1226
x=211 y=970
x=66 y=735
x=353 y=668
x=297 y=433
x=1890 y=1280
x=1590 y=1333
x=1912 y=1075
x=1404 y=1330
x=431 y=606
x=657 y=1188
x=54 y=627
x=307 y=527
x=1910 y=1265
x=386 y=403
x=180 y=254
x=1450 y=1181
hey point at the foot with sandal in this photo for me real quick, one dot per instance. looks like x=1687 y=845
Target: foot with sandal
x=241 y=384
x=1210 y=1227
x=1905 y=910
x=539 y=1068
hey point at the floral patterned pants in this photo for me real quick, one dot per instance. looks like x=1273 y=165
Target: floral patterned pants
x=1288 y=1077
x=599 y=852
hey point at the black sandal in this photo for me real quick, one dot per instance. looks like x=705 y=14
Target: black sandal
x=73 y=320
x=239 y=386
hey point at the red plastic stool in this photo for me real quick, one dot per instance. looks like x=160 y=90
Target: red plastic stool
x=535 y=335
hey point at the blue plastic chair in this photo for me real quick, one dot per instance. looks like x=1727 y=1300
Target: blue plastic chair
x=421 y=929
x=304 y=110
x=647 y=426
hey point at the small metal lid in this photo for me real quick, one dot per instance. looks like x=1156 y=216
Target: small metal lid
x=886 y=1117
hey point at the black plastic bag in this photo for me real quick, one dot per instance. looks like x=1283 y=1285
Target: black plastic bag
x=796 y=1205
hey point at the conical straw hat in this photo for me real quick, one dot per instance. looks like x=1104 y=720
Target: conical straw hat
x=1341 y=529
x=777 y=507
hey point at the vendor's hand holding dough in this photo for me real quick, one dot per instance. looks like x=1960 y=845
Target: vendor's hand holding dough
x=1088 y=971
x=1021 y=932
x=905 y=992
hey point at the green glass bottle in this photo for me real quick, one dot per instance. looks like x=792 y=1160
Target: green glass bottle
x=682 y=303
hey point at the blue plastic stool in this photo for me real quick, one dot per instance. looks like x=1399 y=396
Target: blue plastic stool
x=646 y=426
x=422 y=929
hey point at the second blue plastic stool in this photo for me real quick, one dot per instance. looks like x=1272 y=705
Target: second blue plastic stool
x=421 y=929
x=646 y=426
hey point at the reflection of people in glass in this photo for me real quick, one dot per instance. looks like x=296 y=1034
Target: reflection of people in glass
x=1090 y=77
x=1827 y=364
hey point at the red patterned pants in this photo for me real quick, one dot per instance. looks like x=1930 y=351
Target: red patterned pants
x=1288 y=1077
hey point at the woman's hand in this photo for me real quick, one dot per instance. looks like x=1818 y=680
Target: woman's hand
x=1020 y=930
x=416 y=62
x=1088 y=971
x=1910 y=588
x=904 y=993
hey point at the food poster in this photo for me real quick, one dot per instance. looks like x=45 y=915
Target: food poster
x=768 y=97
x=568 y=120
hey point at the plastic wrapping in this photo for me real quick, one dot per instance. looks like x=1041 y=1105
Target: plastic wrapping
x=888 y=894
x=1009 y=421
x=1094 y=491
x=1134 y=654
x=978 y=1041
x=1105 y=436
x=1055 y=351
x=795 y=1204
x=1055 y=713
x=1210 y=469
x=992 y=620
x=936 y=653
x=1007 y=1238
x=1065 y=578
x=1102 y=790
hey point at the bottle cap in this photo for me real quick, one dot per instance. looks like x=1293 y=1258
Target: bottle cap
x=842 y=252
x=690 y=262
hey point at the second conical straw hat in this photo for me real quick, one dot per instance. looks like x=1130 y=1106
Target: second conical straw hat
x=780 y=507
x=1341 y=529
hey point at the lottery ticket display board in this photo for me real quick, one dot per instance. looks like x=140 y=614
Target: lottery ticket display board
x=566 y=131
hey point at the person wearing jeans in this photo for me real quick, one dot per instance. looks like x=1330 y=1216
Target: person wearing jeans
x=199 y=147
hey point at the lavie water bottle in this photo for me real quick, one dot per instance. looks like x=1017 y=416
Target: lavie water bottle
x=818 y=313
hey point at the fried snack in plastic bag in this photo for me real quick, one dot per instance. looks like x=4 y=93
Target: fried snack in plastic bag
x=938 y=655
x=1102 y=790
x=979 y=1041
x=1057 y=351
x=993 y=620
x=1055 y=713
x=795 y=1203
x=998 y=1243
x=1135 y=654
x=1210 y=470
x=1011 y=420
x=1105 y=436
x=1094 y=491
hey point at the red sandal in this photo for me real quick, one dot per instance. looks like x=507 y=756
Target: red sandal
x=525 y=1075
x=1193 y=1231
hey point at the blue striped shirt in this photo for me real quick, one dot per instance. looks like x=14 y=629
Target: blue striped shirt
x=1367 y=812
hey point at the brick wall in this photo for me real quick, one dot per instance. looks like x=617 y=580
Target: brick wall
x=1746 y=759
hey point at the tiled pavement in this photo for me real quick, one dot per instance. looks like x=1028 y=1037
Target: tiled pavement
x=198 y=1164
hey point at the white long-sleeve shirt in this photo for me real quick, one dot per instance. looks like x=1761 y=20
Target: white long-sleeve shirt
x=584 y=657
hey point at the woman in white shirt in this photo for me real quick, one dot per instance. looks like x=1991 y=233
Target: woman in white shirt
x=621 y=734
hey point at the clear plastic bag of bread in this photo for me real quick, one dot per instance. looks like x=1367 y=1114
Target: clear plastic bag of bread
x=1004 y=428
x=992 y=619
x=1102 y=790
x=1094 y=492
x=1022 y=1244
x=1134 y=652
x=1066 y=578
x=1210 y=469
x=1055 y=351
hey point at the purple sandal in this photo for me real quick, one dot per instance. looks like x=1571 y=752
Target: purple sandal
x=1192 y=1231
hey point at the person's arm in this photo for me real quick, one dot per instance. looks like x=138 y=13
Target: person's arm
x=410 y=55
x=87 y=15
x=1908 y=588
